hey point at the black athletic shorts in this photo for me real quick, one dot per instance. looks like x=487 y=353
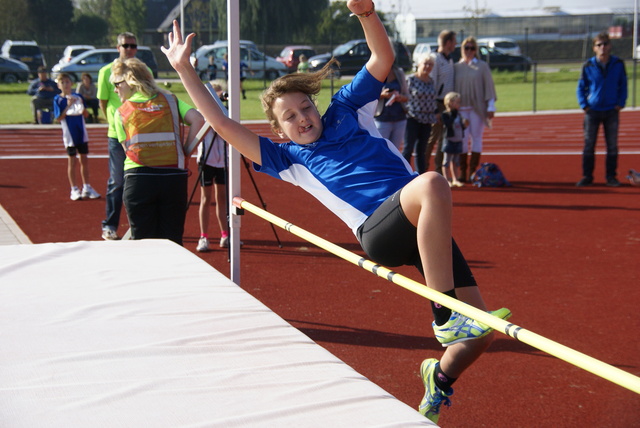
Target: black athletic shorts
x=211 y=174
x=390 y=239
x=83 y=149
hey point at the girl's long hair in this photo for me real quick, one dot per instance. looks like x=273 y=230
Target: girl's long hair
x=307 y=83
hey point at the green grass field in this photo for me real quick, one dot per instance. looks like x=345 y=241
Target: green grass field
x=555 y=90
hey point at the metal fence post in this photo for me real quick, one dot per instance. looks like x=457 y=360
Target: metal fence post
x=535 y=85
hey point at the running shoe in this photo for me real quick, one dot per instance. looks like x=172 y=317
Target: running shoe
x=434 y=397
x=613 y=182
x=224 y=242
x=109 y=235
x=460 y=328
x=75 y=194
x=585 y=181
x=89 y=192
x=203 y=244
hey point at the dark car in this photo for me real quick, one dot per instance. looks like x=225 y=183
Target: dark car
x=12 y=70
x=354 y=54
x=27 y=52
x=498 y=60
x=290 y=56
x=146 y=55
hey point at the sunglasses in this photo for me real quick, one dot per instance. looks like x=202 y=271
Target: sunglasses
x=469 y=48
x=129 y=46
x=599 y=44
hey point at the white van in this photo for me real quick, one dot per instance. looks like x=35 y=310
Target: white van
x=422 y=49
x=501 y=44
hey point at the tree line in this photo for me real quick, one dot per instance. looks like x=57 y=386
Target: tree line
x=97 y=22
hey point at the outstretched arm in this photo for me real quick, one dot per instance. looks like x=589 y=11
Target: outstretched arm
x=245 y=141
x=382 y=54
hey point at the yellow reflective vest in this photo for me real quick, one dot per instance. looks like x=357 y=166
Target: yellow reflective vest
x=152 y=131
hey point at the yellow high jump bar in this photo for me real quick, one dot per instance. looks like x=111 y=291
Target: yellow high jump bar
x=585 y=362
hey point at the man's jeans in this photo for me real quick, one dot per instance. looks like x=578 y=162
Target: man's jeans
x=114 y=185
x=592 y=120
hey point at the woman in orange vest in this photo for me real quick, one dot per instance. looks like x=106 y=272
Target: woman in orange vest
x=155 y=170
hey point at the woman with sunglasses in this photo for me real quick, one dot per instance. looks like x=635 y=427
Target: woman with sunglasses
x=148 y=125
x=475 y=85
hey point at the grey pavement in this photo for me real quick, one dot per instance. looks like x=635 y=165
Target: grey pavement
x=10 y=232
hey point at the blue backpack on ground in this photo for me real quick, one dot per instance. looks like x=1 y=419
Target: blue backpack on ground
x=489 y=175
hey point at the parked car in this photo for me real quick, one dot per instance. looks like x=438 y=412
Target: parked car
x=354 y=54
x=260 y=65
x=290 y=56
x=422 y=49
x=26 y=51
x=73 y=51
x=92 y=61
x=498 y=60
x=501 y=44
x=12 y=70
x=147 y=56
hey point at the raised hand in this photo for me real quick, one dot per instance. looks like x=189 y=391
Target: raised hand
x=359 y=6
x=179 y=51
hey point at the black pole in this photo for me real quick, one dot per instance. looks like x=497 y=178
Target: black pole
x=262 y=202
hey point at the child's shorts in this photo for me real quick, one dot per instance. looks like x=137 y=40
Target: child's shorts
x=82 y=148
x=390 y=239
x=211 y=174
x=453 y=147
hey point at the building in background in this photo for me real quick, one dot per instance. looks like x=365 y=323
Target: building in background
x=548 y=23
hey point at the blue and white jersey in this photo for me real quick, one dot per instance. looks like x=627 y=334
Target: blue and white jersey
x=74 y=130
x=351 y=169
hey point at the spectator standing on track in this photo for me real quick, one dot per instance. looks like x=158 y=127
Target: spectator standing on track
x=453 y=130
x=443 y=78
x=155 y=175
x=213 y=176
x=212 y=170
x=43 y=90
x=421 y=113
x=68 y=109
x=341 y=160
x=127 y=45
x=89 y=93
x=475 y=85
x=390 y=115
x=602 y=93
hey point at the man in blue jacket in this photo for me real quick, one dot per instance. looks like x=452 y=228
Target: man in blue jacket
x=43 y=91
x=602 y=93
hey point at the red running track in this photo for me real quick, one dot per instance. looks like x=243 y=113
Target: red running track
x=563 y=259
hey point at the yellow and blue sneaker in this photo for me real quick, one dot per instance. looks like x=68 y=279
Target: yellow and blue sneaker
x=460 y=327
x=434 y=397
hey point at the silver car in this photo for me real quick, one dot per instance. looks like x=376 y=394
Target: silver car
x=259 y=65
x=92 y=61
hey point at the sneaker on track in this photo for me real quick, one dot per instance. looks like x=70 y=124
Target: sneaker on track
x=460 y=328
x=75 y=194
x=224 y=242
x=109 y=235
x=434 y=397
x=203 y=244
x=89 y=192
